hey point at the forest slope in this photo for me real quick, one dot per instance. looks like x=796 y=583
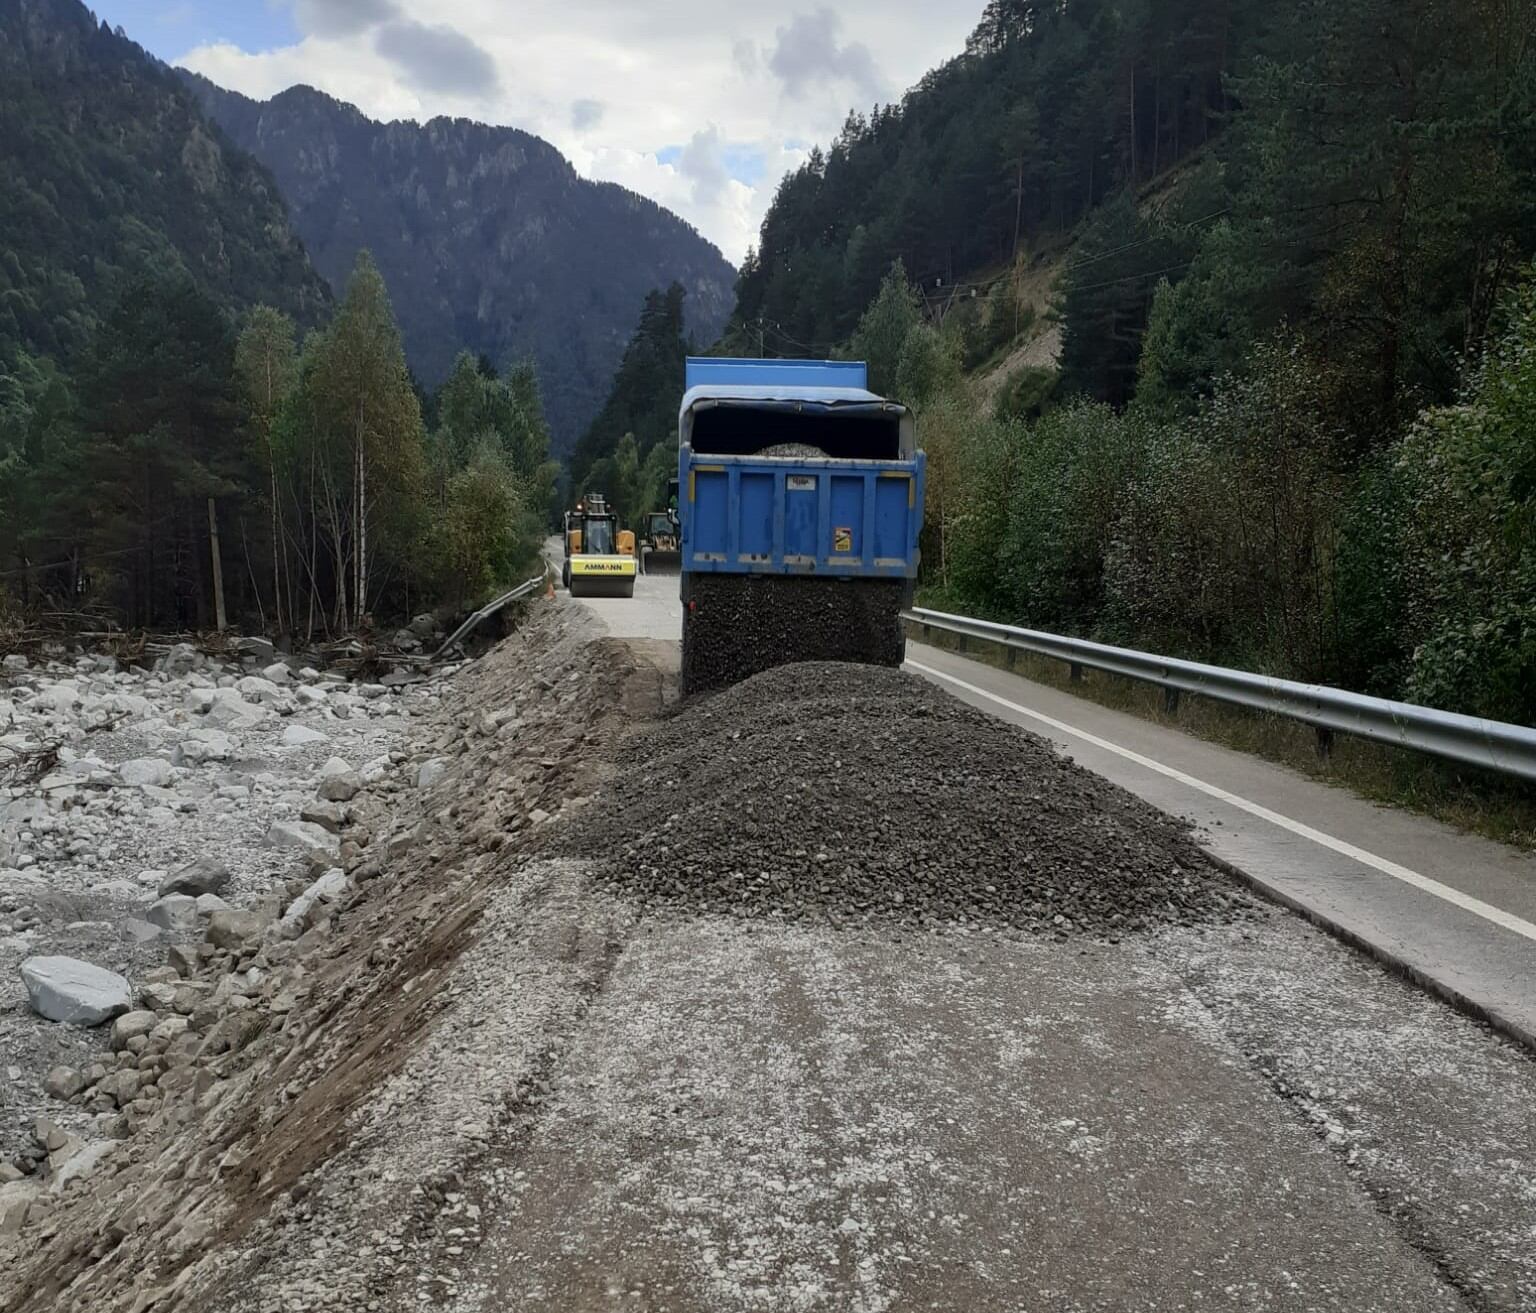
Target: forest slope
x=490 y=241
x=110 y=167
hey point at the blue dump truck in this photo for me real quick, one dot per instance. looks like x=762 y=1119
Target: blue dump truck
x=800 y=504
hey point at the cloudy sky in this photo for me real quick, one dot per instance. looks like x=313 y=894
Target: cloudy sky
x=700 y=104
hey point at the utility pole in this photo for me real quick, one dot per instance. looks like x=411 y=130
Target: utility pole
x=218 y=567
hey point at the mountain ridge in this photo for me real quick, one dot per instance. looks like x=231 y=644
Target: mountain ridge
x=111 y=166
x=488 y=237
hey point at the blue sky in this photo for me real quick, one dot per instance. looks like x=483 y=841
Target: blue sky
x=746 y=164
x=702 y=105
x=170 y=28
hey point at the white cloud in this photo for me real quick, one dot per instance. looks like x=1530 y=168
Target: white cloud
x=333 y=18
x=586 y=113
x=692 y=102
x=809 y=58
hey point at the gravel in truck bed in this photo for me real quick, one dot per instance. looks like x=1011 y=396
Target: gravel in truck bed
x=827 y=791
x=741 y=624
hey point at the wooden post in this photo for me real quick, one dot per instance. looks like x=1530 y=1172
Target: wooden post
x=218 y=567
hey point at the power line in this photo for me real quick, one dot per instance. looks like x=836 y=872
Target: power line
x=1142 y=241
x=778 y=330
x=1131 y=278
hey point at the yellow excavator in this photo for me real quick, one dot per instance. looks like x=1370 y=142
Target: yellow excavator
x=658 y=551
x=599 y=556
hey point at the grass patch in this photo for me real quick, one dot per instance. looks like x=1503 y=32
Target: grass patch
x=1477 y=801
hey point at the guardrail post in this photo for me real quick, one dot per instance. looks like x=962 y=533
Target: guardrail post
x=1075 y=672
x=1171 y=701
x=1324 y=743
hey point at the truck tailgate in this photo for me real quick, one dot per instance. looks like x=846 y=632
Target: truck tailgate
x=772 y=515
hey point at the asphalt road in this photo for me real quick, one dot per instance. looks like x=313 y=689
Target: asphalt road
x=1453 y=910
x=759 y=1117
x=654 y=612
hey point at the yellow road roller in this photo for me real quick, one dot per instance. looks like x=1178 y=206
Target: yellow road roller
x=599 y=556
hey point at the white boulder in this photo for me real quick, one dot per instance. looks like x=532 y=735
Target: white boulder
x=74 y=992
x=302 y=836
x=147 y=772
x=327 y=889
x=176 y=913
x=431 y=772
x=236 y=714
x=203 y=745
x=339 y=788
x=254 y=688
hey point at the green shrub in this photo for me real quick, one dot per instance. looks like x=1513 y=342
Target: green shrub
x=1027 y=395
x=1469 y=535
x=1226 y=545
x=1072 y=467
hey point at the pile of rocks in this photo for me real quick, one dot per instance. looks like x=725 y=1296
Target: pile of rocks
x=210 y=999
x=739 y=625
x=423 y=631
x=855 y=794
x=141 y=808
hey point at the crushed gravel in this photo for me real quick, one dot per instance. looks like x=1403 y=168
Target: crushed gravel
x=858 y=794
x=738 y=625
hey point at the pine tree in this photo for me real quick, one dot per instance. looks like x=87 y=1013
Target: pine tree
x=367 y=423
x=882 y=332
x=266 y=370
x=162 y=426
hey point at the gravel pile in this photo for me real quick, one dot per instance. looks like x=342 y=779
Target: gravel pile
x=857 y=794
x=742 y=624
x=793 y=451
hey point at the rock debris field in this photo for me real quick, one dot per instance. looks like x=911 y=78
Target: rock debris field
x=857 y=794
x=255 y=1110
x=150 y=819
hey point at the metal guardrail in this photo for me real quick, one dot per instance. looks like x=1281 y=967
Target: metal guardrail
x=1491 y=744
x=488 y=610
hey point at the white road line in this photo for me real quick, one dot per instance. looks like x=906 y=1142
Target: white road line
x=1466 y=902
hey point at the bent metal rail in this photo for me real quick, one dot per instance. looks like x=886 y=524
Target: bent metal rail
x=1490 y=744
x=489 y=609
